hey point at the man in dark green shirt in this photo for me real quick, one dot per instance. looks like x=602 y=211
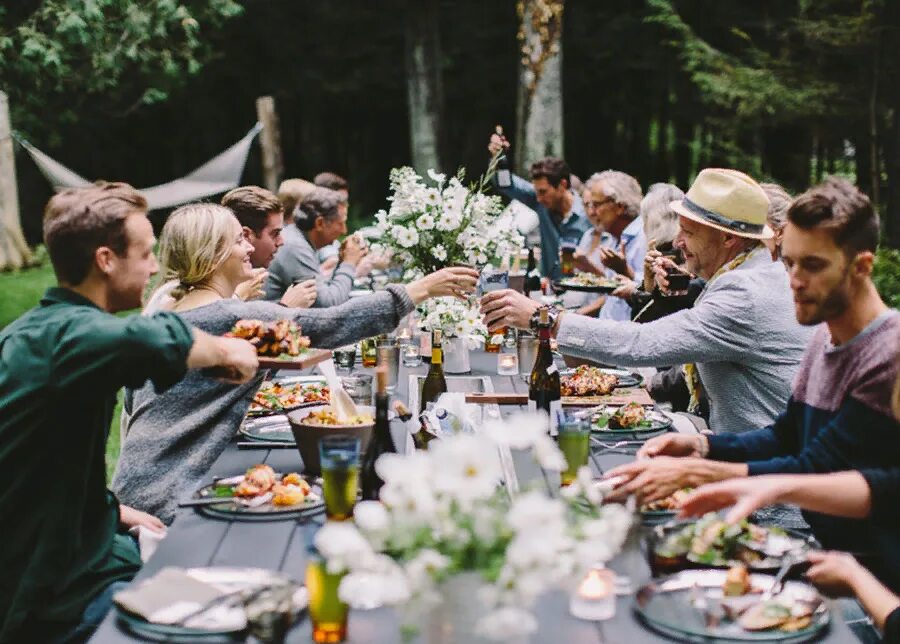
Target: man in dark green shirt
x=61 y=365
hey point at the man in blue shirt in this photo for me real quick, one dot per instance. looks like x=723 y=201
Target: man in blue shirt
x=560 y=211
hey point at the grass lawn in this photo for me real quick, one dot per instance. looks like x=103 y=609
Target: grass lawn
x=22 y=290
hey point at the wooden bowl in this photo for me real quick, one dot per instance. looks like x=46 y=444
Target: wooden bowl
x=308 y=436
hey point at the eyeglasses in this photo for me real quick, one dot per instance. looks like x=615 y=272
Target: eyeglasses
x=599 y=204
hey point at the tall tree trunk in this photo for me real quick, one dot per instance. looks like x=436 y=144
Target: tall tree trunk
x=14 y=252
x=424 y=83
x=874 y=166
x=539 y=122
x=891 y=223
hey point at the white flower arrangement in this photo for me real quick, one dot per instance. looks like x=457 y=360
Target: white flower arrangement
x=442 y=513
x=455 y=318
x=429 y=227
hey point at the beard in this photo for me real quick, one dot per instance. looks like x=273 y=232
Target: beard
x=831 y=306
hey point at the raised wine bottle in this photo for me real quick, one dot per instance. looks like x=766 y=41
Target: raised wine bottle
x=543 y=385
x=434 y=384
x=380 y=443
x=504 y=175
x=532 y=277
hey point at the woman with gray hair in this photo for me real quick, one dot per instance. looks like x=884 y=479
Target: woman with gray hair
x=612 y=202
x=779 y=202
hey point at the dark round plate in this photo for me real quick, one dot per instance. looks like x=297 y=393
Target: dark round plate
x=665 y=605
x=233 y=511
x=162 y=633
x=563 y=285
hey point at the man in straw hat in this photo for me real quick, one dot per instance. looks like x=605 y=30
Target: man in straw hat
x=839 y=416
x=740 y=339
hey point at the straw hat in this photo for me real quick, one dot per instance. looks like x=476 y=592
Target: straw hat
x=729 y=201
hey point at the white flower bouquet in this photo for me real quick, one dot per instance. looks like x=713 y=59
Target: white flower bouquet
x=439 y=223
x=442 y=514
x=455 y=318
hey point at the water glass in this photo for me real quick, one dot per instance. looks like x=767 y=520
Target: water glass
x=411 y=354
x=327 y=612
x=359 y=387
x=527 y=349
x=387 y=353
x=345 y=357
x=567 y=259
x=368 y=350
x=339 y=456
x=575 y=444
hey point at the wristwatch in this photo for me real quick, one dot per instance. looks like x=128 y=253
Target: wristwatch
x=552 y=316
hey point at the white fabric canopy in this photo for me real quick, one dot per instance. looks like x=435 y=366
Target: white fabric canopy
x=219 y=174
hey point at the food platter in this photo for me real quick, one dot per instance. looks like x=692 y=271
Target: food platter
x=274 y=428
x=692 y=606
x=279 y=345
x=282 y=395
x=306 y=359
x=260 y=494
x=710 y=543
x=587 y=283
x=609 y=420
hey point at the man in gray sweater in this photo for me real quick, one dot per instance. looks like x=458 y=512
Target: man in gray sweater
x=740 y=340
x=318 y=221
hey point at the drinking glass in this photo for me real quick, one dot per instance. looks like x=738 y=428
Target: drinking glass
x=493 y=279
x=327 y=612
x=411 y=354
x=387 y=352
x=339 y=456
x=575 y=444
x=359 y=387
x=345 y=357
x=528 y=349
x=368 y=349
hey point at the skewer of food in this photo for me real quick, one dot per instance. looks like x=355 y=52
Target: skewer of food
x=281 y=339
x=588 y=381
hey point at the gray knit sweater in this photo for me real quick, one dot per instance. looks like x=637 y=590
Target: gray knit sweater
x=741 y=333
x=173 y=438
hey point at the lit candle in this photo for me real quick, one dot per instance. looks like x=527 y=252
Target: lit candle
x=404 y=336
x=507 y=364
x=595 y=598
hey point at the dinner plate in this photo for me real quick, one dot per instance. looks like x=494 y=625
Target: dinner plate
x=226 y=579
x=273 y=428
x=670 y=606
x=287 y=381
x=565 y=285
x=234 y=511
x=624 y=377
x=658 y=422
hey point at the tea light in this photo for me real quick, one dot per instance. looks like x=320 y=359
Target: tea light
x=404 y=336
x=507 y=364
x=410 y=355
x=595 y=598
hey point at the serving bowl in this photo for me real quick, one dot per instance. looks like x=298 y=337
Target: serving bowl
x=309 y=436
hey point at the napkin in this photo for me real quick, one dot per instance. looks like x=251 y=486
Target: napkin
x=172 y=594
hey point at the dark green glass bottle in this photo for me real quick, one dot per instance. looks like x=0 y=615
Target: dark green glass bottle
x=380 y=443
x=543 y=385
x=434 y=384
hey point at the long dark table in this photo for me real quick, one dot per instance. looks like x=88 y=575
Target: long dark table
x=195 y=540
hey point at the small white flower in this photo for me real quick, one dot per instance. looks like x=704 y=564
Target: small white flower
x=425 y=222
x=371 y=516
x=431 y=197
x=342 y=545
x=469 y=468
x=437 y=177
x=439 y=252
x=406 y=237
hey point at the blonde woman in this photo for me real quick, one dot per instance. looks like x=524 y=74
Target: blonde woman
x=174 y=437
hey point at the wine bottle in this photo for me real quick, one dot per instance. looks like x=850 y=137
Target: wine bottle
x=543 y=385
x=434 y=384
x=380 y=443
x=532 y=277
x=504 y=175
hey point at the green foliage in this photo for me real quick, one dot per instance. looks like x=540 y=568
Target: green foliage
x=886 y=276
x=114 y=55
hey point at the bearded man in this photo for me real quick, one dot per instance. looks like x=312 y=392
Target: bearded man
x=839 y=416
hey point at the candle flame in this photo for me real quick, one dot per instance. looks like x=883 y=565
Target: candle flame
x=594 y=586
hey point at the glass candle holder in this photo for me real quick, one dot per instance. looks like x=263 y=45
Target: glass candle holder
x=359 y=387
x=345 y=357
x=595 y=597
x=507 y=364
x=327 y=612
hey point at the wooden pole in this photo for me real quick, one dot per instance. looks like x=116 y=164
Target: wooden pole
x=269 y=142
x=14 y=252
